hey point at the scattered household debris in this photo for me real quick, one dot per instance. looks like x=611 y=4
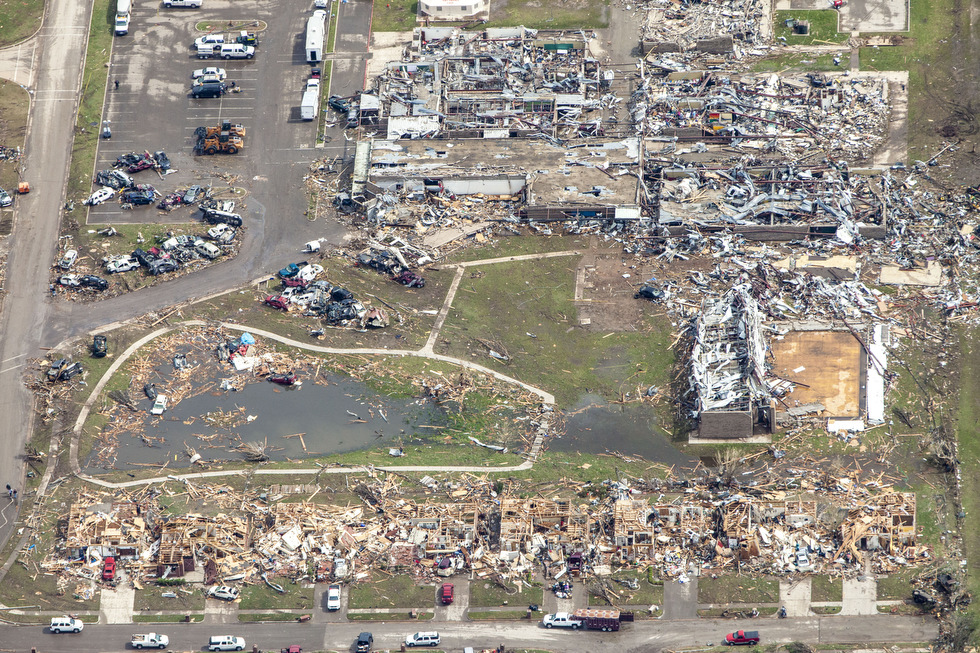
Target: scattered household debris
x=463 y=525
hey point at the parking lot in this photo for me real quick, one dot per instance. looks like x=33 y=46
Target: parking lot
x=152 y=108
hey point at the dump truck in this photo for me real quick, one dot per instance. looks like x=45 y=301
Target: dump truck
x=225 y=126
x=223 y=142
x=150 y=640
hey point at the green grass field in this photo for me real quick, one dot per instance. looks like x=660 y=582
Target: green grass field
x=19 y=20
x=399 y=591
x=94 y=81
x=737 y=589
x=505 y=302
x=823 y=27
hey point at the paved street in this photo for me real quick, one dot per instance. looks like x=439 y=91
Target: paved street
x=640 y=636
x=24 y=315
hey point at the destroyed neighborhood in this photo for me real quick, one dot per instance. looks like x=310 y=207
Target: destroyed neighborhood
x=412 y=312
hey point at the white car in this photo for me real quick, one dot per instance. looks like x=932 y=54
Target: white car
x=309 y=272
x=209 y=39
x=321 y=4
x=209 y=70
x=220 y=232
x=802 y=560
x=333 y=597
x=159 y=405
x=223 y=592
x=99 y=196
x=122 y=264
x=70 y=280
x=68 y=260
x=423 y=639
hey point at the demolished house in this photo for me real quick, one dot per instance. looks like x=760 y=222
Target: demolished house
x=717 y=27
x=728 y=368
x=463 y=526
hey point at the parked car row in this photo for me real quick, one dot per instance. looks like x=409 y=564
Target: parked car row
x=363 y=644
x=231 y=46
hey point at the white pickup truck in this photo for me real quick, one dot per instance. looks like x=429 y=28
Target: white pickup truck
x=150 y=640
x=561 y=620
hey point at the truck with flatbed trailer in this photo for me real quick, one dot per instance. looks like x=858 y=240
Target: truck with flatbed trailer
x=591 y=619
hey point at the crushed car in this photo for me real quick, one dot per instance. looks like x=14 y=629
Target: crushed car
x=101 y=195
x=277 y=301
x=409 y=279
x=100 y=346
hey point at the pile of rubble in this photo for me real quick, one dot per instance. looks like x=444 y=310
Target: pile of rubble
x=464 y=524
x=788 y=116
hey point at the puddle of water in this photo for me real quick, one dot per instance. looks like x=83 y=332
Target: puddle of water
x=595 y=426
x=319 y=412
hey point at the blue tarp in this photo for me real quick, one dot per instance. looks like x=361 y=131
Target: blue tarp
x=247 y=339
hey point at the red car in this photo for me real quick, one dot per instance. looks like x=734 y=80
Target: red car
x=277 y=301
x=109 y=568
x=446 y=593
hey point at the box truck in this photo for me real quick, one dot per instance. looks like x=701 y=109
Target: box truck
x=122 y=16
x=315 y=34
x=311 y=100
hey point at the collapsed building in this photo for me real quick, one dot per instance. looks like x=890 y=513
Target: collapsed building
x=466 y=527
x=543 y=131
x=718 y=27
x=728 y=367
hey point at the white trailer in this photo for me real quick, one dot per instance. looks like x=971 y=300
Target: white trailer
x=316 y=28
x=311 y=100
x=122 y=16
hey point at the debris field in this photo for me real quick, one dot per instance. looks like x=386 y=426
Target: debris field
x=438 y=528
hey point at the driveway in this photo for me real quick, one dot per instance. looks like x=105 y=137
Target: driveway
x=455 y=611
x=681 y=599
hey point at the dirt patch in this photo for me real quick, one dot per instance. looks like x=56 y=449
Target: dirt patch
x=605 y=297
x=834 y=381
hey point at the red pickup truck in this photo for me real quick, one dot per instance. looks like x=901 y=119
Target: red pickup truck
x=742 y=637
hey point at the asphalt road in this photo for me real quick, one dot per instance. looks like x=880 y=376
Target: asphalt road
x=35 y=236
x=272 y=171
x=640 y=636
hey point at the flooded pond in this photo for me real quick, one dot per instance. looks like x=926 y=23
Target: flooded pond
x=344 y=415
x=595 y=426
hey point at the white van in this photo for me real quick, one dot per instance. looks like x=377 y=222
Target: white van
x=122 y=16
x=66 y=625
x=237 y=51
x=206 y=249
x=225 y=643
x=423 y=639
